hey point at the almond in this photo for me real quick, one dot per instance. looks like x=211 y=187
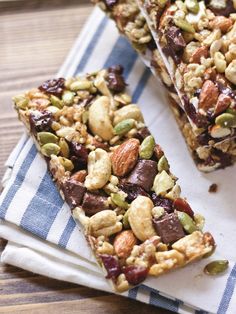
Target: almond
x=209 y=95
x=125 y=157
x=124 y=243
x=79 y=176
x=221 y=22
x=222 y=104
x=198 y=54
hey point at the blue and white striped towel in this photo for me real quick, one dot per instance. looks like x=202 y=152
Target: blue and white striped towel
x=42 y=232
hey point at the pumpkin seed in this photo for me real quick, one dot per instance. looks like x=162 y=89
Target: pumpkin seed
x=147 y=147
x=68 y=98
x=65 y=151
x=50 y=149
x=56 y=101
x=66 y=163
x=216 y=267
x=227 y=120
x=47 y=137
x=187 y=222
x=192 y=6
x=119 y=200
x=80 y=85
x=184 y=25
x=21 y=102
x=124 y=126
x=125 y=220
x=163 y=164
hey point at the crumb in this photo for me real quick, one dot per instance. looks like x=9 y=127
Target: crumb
x=213 y=188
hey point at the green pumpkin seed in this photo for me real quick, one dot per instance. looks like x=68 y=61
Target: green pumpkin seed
x=68 y=98
x=124 y=126
x=147 y=147
x=47 y=137
x=66 y=163
x=125 y=220
x=226 y=120
x=192 y=6
x=163 y=164
x=187 y=222
x=65 y=151
x=184 y=25
x=119 y=200
x=80 y=85
x=56 y=101
x=50 y=149
x=21 y=102
x=216 y=267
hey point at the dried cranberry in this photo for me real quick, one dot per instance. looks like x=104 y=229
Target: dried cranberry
x=135 y=274
x=132 y=191
x=142 y=134
x=115 y=79
x=204 y=138
x=79 y=155
x=226 y=90
x=118 y=69
x=181 y=205
x=54 y=86
x=112 y=265
x=166 y=203
x=198 y=119
x=40 y=121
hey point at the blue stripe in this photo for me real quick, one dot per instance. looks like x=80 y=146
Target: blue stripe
x=20 y=176
x=141 y=85
x=122 y=53
x=92 y=44
x=228 y=292
x=133 y=293
x=67 y=232
x=43 y=208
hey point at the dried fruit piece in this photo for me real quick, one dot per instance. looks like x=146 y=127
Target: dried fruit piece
x=115 y=80
x=147 y=147
x=124 y=243
x=216 y=267
x=40 y=121
x=132 y=191
x=125 y=157
x=135 y=274
x=181 y=205
x=166 y=203
x=112 y=266
x=54 y=86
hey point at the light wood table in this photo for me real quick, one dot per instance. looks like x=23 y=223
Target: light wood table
x=35 y=39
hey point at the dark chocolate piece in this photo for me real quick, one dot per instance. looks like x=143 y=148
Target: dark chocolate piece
x=132 y=191
x=40 y=121
x=144 y=174
x=73 y=192
x=166 y=203
x=93 y=203
x=169 y=228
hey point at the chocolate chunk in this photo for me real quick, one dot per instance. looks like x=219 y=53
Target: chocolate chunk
x=93 y=203
x=175 y=39
x=115 y=79
x=73 y=192
x=144 y=174
x=169 y=228
x=79 y=155
x=166 y=203
x=226 y=11
x=142 y=134
x=132 y=191
x=40 y=121
x=197 y=118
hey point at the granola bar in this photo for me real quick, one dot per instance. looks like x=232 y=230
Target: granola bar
x=115 y=178
x=196 y=41
x=191 y=61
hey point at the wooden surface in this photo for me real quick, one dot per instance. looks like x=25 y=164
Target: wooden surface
x=35 y=38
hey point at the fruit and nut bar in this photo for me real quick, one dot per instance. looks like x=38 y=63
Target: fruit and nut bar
x=197 y=42
x=114 y=176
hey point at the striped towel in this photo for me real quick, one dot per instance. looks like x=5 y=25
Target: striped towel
x=39 y=225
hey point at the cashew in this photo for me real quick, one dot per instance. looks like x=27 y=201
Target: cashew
x=99 y=120
x=140 y=218
x=220 y=63
x=230 y=72
x=99 y=169
x=128 y=112
x=104 y=223
x=215 y=47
